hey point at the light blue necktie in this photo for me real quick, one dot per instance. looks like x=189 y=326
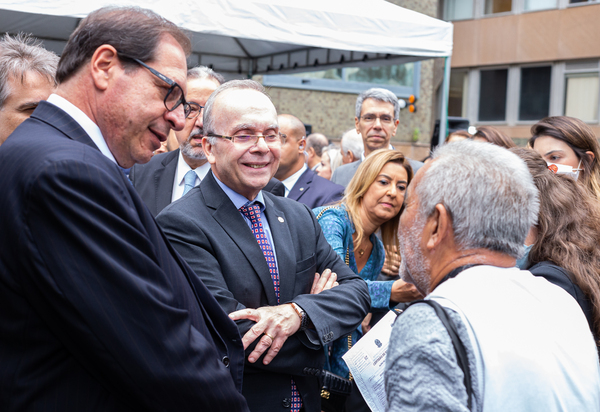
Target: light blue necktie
x=189 y=180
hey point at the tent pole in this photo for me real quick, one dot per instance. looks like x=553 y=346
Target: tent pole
x=445 y=96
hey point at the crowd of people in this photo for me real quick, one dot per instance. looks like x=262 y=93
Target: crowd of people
x=171 y=242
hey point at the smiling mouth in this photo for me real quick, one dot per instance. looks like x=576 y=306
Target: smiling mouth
x=256 y=166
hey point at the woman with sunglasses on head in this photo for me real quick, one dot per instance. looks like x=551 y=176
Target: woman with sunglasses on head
x=373 y=201
x=571 y=146
x=563 y=246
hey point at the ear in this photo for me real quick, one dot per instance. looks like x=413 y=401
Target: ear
x=356 y=121
x=311 y=152
x=208 y=151
x=438 y=227
x=302 y=145
x=590 y=154
x=396 y=123
x=103 y=64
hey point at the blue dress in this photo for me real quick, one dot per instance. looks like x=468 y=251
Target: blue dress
x=338 y=229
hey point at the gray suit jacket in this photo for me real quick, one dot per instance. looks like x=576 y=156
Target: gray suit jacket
x=213 y=237
x=343 y=174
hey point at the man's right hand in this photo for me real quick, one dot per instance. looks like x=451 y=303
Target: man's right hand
x=323 y=282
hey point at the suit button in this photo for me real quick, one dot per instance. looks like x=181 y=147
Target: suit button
x=225 y=361
x=286 y=403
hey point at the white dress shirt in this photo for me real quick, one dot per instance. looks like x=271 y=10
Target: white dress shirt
x=182 y=169
x=291 y=181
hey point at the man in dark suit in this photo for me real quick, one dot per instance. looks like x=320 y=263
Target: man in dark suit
x=301 y=183
x=97 y=311
x=261 y=255
x=168 y=176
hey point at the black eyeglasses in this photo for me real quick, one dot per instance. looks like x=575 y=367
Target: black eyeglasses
x=195 y=110
x=174 y=95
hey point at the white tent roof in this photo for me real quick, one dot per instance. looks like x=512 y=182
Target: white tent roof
x=263 y=36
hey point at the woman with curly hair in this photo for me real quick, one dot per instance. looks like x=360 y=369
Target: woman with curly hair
x=563 y=246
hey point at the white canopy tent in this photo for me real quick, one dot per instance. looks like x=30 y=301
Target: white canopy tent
x=247 y=37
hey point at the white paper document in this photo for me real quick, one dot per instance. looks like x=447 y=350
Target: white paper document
x=366 y=361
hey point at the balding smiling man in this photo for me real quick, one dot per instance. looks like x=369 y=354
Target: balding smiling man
x=301 y=183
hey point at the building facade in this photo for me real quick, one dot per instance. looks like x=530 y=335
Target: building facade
x=517 y=61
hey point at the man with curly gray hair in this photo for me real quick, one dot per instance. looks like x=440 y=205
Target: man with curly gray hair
x=26 y=76
x=488 y=336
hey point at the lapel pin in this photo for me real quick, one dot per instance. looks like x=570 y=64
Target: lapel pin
x=280 y=219
x=301 y=189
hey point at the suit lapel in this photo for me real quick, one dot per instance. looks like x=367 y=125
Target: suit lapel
x=232 y=222
x=286 y=262
x=61 y=121
x=302 y=185
x=164 y=178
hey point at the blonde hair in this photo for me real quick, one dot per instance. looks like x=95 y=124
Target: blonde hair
x=364 y=177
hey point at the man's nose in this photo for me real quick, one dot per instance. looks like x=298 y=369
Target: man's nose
x=176 y=118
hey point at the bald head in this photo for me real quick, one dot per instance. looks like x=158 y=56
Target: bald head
x=292 y=151
x=314 y=148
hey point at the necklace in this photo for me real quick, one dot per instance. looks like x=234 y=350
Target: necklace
x=361 y=252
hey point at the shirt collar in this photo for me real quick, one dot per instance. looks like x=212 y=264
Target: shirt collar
x=239 y=200
x=291 y=181
x=84 y=121
x=183 y=168
x=362 y=156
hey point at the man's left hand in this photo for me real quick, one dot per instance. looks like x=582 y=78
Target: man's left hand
x=274 y=324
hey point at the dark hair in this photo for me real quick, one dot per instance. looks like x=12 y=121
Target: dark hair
x=133 y=31
x=567 y=235
x=461 y=133
x=494 y=136
x=580 y=138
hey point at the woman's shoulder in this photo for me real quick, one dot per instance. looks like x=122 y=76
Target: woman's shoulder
x=335 y=211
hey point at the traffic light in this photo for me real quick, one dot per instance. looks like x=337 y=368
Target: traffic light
x=412 y=100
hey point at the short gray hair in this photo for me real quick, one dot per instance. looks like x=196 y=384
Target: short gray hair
x=488 y=192
x=382 y=95
x=203 y=72
x=22 y=54
x=208 y=119
x=352 y=142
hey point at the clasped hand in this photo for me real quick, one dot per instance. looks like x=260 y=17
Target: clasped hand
x=275 y=324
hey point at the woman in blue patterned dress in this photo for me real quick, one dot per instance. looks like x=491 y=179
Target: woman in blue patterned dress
x=373 y=201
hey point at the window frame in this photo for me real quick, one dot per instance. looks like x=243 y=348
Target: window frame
x=287 y=81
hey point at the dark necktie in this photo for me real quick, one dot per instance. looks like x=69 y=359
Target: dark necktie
x=252 y=212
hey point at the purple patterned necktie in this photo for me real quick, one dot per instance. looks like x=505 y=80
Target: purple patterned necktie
x=252 y=212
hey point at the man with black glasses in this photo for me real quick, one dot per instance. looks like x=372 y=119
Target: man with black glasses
x=168 y=176
x=97 y=311
x=261 y=255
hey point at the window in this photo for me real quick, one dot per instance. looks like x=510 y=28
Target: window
x=492 y=95
x=497 y=6
x=401 y=79
x=530 y=5
x=457 y=99
x=534 y=99
x=581 y=96
x=458 y=9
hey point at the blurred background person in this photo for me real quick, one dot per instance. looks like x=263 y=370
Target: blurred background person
x=352 y=146
x=27 y=73
x=457 y=136
x=373 y=201
x=563 y=246
x=163 y=148
x=301 y=183
x=315 y=143
x=490 y=134
x=568 y=141
x=331 y=159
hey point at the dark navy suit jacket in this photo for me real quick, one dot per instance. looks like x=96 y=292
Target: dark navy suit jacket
x=97 y=311
x=212 y=236
x=314 y=190
x=154 y=181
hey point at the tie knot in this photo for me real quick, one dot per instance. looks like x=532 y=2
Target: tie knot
x=190 y=178
x=250 y=211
